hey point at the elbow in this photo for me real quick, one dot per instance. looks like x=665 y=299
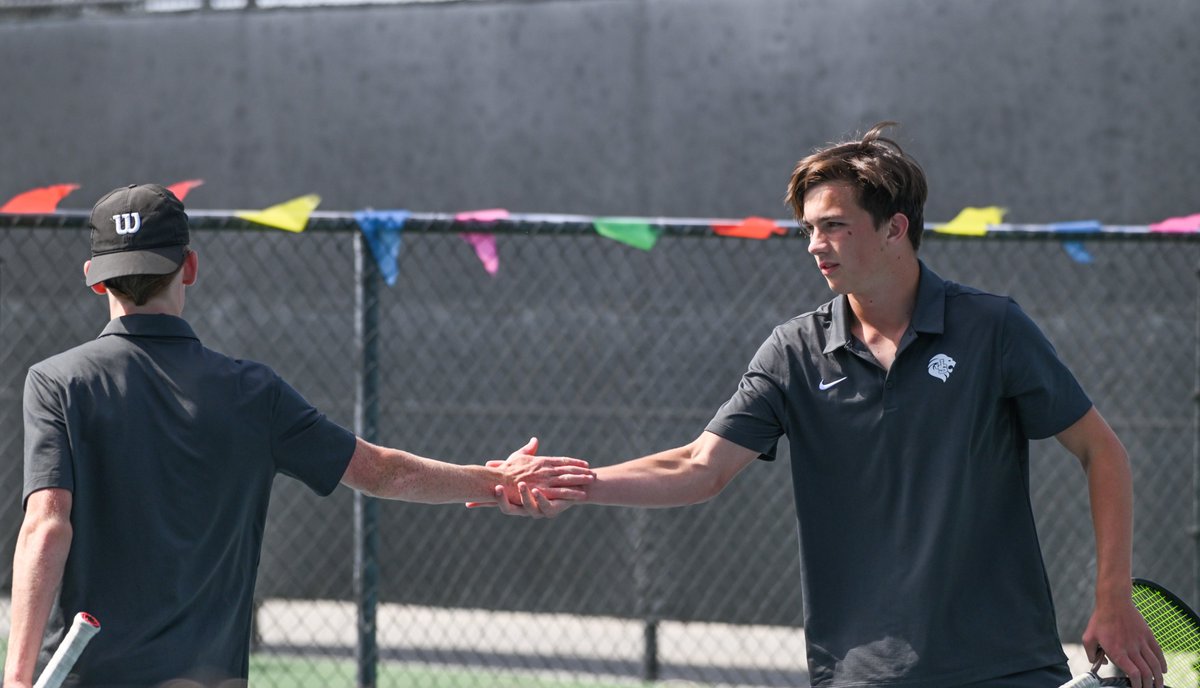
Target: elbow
x=49 y=533
x=710 y=481
x=714 y=485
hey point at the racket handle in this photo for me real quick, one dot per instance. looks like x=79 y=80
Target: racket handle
x=1088 y=680
x=83 y=628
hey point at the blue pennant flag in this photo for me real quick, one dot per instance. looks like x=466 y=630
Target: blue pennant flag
x=1077 y=251
x=1080 y=226
x=382 y=230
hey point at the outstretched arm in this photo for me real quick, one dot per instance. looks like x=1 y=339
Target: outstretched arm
x=396 y=474
x=1116 y=628
x=690 y=474
x=41 y=555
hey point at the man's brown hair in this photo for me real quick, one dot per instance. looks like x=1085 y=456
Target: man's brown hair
x=887 y=179
x=141 y=288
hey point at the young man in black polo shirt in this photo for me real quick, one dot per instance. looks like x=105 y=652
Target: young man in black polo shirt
x=909 y=402
x=148 y=467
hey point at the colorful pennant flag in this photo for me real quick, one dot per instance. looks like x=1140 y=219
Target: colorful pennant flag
x=489 y=215
x=751 y=228
x=484 y=243
x=382 y=230
x=181 y=189
x=290 y=215
x=972 y=221
x=485 y=249
x=1080 y=226
x=633 y=231
x=41 y=200
x=1078 y=252
x=1187 y=223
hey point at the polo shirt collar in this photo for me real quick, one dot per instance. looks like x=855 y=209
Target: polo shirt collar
x=149 y=326
x=928 y=316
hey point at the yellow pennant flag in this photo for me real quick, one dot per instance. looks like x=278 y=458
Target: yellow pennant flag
x=290 y=215
x=973 y=221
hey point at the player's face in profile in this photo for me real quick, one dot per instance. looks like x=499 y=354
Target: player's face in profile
x=843 y=238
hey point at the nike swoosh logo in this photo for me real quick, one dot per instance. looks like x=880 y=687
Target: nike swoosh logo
x=826 y=385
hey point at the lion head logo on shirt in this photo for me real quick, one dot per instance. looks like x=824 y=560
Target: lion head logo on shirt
x=940 y=366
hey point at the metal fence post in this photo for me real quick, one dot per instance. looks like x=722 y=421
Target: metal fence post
x=649 y=593
x=366 y=417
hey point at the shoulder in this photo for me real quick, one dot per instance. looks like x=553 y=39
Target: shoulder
x=974 y=296
x=248 y=374
x=976 y=305
x=74 y=363
x=807 y=332
x=809 y=328
x=797 y=339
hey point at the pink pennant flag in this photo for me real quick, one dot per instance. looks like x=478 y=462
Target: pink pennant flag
x=181 y=189
x=485 y=249
x=42 y=200
x=489 y=215
x=1189 y=223
x=483 y=242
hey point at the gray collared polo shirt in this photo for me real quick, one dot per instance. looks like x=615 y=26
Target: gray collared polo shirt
x=920 y=562
x=169 y=450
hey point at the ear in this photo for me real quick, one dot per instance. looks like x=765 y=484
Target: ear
x=898 y=227
x=98 y=287
x=191 y=267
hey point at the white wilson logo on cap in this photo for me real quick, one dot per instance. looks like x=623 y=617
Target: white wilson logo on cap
x=127 y=223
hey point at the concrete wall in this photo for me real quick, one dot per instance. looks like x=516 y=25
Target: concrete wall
x=1058 y=111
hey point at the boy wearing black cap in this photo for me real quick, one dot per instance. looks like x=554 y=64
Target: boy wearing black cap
x=148 y=468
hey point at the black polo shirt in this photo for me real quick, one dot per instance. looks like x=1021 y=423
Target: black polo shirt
x=920 y=562
x=169 y=449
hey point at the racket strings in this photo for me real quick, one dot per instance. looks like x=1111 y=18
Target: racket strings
x=1175 y=629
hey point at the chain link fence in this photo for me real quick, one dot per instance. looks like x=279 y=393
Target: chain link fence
x=606 y=353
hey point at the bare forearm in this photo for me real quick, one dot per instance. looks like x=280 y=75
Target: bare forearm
x=412 y=478
x=1110 y=490
x=38 y=563
x=675 y=477
x=397 y=474
x=1111 y=493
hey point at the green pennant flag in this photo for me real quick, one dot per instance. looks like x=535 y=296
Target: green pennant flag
x=628 y=230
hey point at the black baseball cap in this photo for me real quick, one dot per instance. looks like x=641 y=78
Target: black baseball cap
x=139 y=229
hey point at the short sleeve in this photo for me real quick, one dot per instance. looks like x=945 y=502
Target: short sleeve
x=1047 y=397
x=754 y=416
x=305 y=444
x=48 y=459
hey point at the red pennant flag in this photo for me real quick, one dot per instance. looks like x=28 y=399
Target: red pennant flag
x=43 y=200
x=751 y=228
x=181 y=189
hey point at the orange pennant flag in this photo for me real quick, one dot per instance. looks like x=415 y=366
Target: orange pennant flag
x=181 y=189
x=43 y=200
x=751 y=228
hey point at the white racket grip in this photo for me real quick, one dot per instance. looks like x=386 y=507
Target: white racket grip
x=83 y=628
x=1088 y=680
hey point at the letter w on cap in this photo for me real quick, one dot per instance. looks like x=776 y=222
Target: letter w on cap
x=127 y=223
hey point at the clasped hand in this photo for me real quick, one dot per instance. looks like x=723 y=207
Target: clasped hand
x=538 y=487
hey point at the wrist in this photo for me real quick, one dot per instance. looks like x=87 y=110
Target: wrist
x=1114 y=589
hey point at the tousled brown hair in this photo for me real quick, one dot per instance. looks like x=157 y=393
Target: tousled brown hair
x=888 y=180
x=141 y=288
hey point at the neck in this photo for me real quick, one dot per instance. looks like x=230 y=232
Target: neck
x=157 y=306
x=889 y=306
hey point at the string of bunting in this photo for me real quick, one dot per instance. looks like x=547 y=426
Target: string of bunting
x=382 y=229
